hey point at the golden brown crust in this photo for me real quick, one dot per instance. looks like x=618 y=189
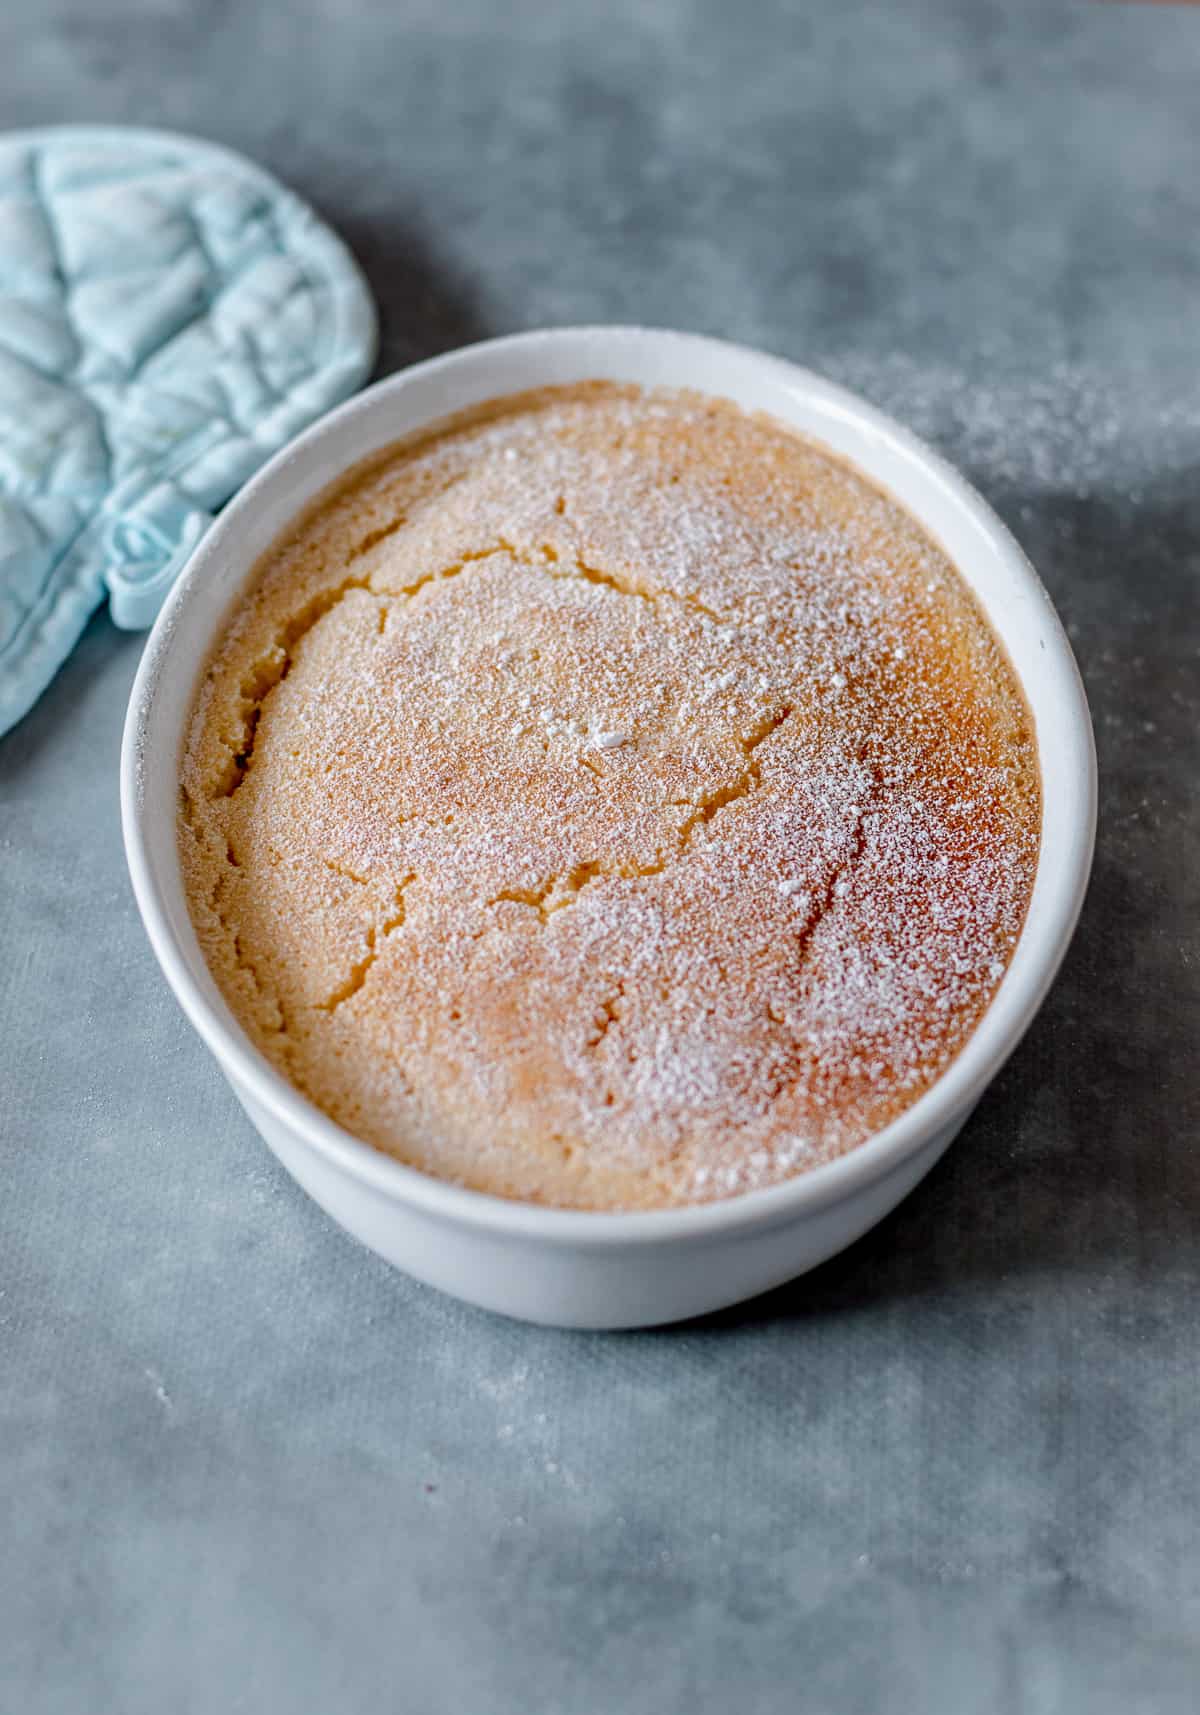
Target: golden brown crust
x=611 y=800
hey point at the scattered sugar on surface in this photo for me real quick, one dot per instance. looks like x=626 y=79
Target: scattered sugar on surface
x=612 y=801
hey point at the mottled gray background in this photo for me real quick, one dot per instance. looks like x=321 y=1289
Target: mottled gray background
x=244 y=1466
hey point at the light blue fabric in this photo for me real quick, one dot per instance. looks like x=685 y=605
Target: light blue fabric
x=169 y=316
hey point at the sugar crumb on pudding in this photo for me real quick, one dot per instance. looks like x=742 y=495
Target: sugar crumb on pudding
x=609 y=800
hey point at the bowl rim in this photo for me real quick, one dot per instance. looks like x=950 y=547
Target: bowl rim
x=949 y=1099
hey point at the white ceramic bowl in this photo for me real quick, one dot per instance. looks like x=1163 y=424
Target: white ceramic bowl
x=576 y=1269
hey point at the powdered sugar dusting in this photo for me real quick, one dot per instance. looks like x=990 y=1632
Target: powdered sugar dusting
x=612 y=801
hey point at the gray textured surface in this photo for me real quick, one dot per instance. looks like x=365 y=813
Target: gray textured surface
x=243 y=1465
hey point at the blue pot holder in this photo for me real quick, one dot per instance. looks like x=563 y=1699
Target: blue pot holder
x=170 y=316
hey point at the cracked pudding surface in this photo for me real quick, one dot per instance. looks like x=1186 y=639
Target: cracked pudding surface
x=609 y=800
